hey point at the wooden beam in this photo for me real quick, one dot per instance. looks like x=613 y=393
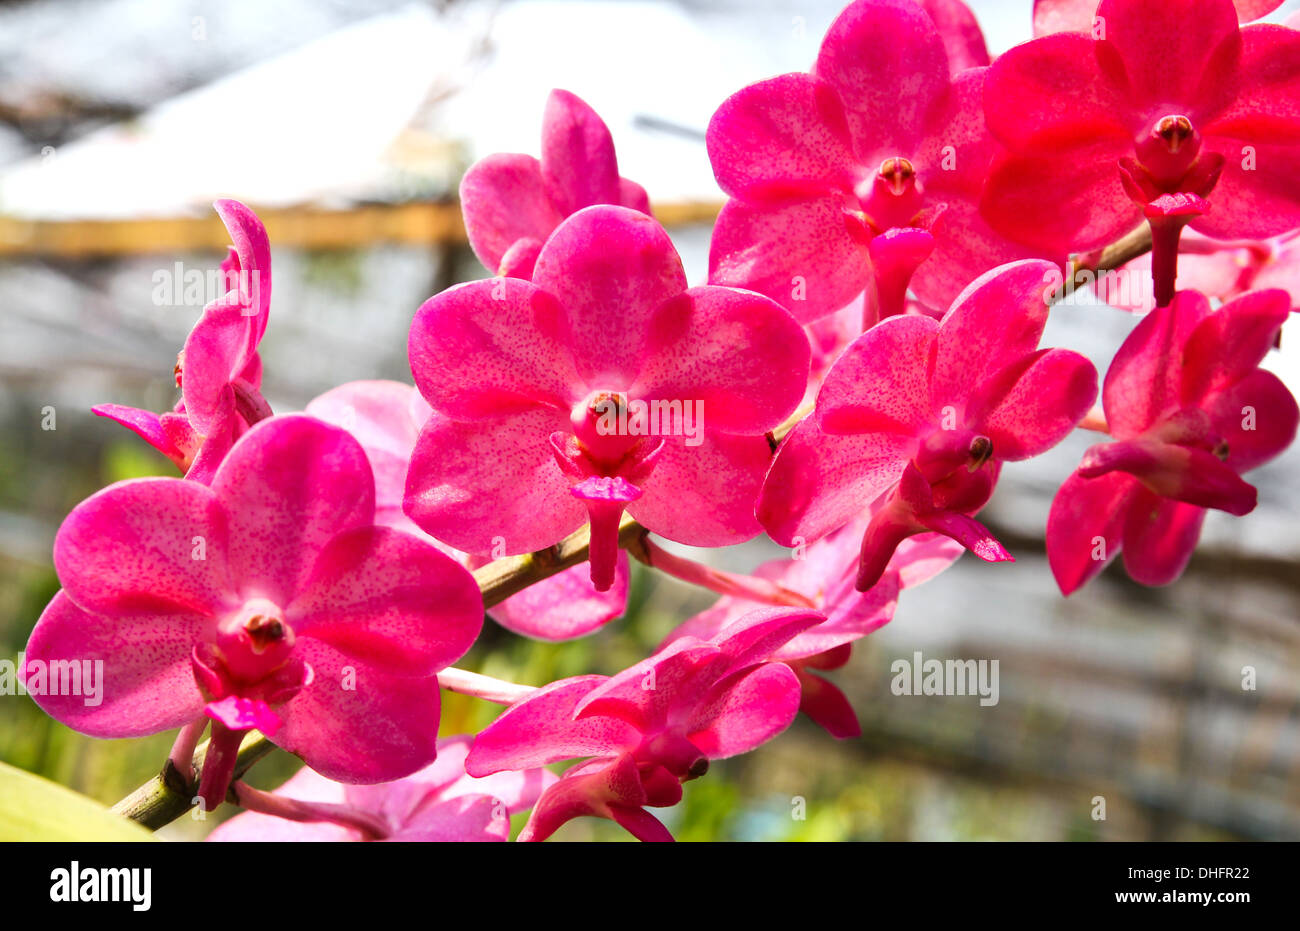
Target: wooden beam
x=427 y=224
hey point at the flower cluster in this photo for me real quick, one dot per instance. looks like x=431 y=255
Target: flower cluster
x=862 y=361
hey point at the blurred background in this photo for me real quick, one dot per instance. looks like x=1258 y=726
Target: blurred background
x=347 y=127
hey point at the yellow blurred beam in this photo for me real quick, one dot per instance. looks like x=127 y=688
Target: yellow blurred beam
x=432 y=224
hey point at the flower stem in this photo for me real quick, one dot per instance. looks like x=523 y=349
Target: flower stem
x=1120 y=252
x=181 y=757
x=464 y=682
x=724 y=583
x=1095 y=420
x=291 y=809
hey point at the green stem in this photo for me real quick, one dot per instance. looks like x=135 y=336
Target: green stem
x=167 y=796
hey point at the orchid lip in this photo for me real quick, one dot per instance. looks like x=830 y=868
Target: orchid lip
x=1183 y=473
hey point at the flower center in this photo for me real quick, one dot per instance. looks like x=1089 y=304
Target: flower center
x=611 y=451
x=1174 y=130
x=892 y=197
x=675 y=753
x=981 y=451
x=255 y=641
x=1169 y=149
x=611 y=429
x=952 y=462
x=945 y=452
x=898 y=174
x=264 y=631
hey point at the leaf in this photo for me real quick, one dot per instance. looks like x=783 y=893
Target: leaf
x=35 y=809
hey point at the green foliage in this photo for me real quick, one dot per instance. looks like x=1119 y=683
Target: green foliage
x=709 y=806
x=35 y=809
x=132 y=458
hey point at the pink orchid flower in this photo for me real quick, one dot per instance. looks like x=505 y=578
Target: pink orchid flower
x=1219 y=269
x=1189 y=410
x=928 y=411
x=604 y=384
x=267 y=600
x=439 y=803
x=829 y=336
x=386 y=418
x=826 y=572
x=1279 y=269
x=219 y=371
x=865 y=173
x=512 y=203
x=963 y=40
x=1172 y=110
x=651 y=727
x=1080 y=15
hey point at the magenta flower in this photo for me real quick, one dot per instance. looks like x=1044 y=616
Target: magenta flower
x=651 y=727
x=219 y=371
x=1219 y=269
x=826 y=573
x=928 y=411
x=267 y=600
x=565 y=606
x=386 y=418
x=1080 y=15
x=874 y=160
x=439 y=803
x=1173 y=110
x=512 y=203
x=1189 y=410
x=1280 y=268
x=602 y=385
x=962 y=39
x=829 y=336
